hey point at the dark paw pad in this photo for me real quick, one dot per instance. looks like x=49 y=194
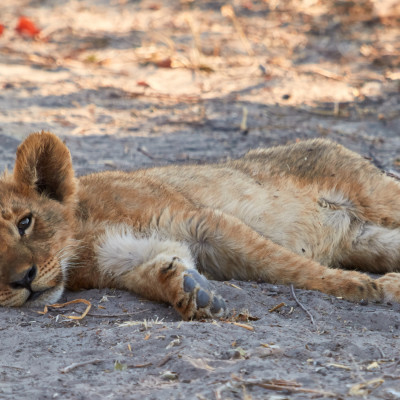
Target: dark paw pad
x=188 y=283
x=202 y=298
x=206 y=302
x=218 y=303
x=200 y=279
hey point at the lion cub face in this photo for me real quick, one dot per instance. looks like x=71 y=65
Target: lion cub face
x=36 y=222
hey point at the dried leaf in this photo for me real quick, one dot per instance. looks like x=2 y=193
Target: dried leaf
x=244 y=317
x=373 y=365
x=45 y=311
x=227 y=11
x=119 y=366
x=166 y=63
x=26 y=27
x=169 y=376
x=198 y=363
x=241 y=351
x=105 y=298
x=142 y=83
x=173 y=343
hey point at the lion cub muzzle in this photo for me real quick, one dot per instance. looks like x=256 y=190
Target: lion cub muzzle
x=34 y=286
x=27 y=279
x=26 y=283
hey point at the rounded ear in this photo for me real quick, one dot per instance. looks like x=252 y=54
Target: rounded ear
x=44 y=164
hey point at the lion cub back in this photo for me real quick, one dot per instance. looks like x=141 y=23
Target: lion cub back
x=311 y=161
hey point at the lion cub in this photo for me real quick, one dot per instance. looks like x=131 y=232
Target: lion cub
x=284 y=215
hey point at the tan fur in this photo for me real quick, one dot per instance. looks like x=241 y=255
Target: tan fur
x=283 y=215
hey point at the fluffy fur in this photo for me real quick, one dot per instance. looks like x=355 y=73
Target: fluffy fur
x=304 y=214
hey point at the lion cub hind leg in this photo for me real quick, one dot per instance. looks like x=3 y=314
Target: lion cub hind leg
x=390 y=286
x=157 y=269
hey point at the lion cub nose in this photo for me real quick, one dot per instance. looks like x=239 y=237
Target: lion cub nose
x=25 y=282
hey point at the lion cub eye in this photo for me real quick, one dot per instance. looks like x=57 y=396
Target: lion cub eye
x=24 y=224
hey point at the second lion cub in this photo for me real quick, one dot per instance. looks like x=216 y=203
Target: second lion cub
x=303 y=214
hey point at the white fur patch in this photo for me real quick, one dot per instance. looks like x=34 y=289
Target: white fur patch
x=380 y=241
x=120 y=250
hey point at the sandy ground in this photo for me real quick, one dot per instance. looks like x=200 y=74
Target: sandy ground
x=129 y=84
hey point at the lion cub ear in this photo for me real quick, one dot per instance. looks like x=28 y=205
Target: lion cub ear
x=43 y=163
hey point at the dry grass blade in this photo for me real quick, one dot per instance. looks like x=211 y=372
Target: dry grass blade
x=277 y=307
x=233 y=285
x=80 y=364
x=117 y=315
x=167 y=358
x=365 y=388
x=140 y=365
x=283 y=385
x=240 y=325
x=61 y=305
x=340 y=366
x=228 y=11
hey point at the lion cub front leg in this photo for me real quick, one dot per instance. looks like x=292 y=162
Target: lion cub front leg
x=160 y=270
x=167 y=278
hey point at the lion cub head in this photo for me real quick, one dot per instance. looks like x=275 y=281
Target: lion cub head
x=36 y=222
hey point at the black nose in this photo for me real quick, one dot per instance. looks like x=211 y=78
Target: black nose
x=25 y=282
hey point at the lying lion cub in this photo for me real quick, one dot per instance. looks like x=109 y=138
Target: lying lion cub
x=282 y=215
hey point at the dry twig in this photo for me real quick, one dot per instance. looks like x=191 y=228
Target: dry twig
x=167 y=358
x=282 y=385
x=116 y=315
x=140 y=365
x=80 y=364
x=301 y=305
x=228 y=11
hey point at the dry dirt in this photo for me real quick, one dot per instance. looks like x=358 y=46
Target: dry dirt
x=129 y=84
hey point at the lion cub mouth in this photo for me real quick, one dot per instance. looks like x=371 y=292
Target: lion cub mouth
x=35 y=295
x=43 y=297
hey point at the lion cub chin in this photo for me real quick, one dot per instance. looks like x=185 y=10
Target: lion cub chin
x=293 y=214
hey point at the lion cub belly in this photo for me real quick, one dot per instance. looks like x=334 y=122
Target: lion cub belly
x=315 y=223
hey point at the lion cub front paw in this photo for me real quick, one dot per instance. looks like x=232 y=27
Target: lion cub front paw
x=188 y=291
x=201 y=301
x=390 y=286
x=196 y=299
